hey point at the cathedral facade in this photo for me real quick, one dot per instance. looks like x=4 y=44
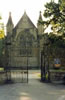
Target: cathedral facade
x=23 y=43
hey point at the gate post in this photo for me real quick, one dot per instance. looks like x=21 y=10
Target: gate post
x=27 y=68
x=42 y=68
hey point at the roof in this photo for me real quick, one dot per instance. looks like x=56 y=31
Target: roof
x=25 y=22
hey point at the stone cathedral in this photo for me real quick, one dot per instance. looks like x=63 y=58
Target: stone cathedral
x=23 y=46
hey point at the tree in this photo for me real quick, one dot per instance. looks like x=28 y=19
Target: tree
x=2 y=37
x=55 y=15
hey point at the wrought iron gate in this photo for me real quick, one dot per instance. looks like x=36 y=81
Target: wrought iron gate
x=16 y=73
x=53 y=65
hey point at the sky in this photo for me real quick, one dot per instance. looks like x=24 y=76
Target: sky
x=17 y=8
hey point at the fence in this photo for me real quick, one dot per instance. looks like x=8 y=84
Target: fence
x=53 y=65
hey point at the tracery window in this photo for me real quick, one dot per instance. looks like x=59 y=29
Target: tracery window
x=26 y=43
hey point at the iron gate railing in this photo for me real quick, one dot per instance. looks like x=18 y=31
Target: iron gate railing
x=52 y=67
x=16 y=75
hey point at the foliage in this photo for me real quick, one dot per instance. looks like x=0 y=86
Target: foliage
x=2 y=34
x=55 y=15
x=2 y=38
x=56 y=41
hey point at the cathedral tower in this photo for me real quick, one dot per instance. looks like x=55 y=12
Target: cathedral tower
x=40 y=26
x=10 y=25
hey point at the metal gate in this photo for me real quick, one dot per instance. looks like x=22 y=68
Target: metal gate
x=16 y=75
x=20 y=57
x=53 y=65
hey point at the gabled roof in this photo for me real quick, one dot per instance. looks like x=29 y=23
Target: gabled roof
x=25 y=22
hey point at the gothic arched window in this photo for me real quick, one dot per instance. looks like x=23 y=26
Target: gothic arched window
x=26 y=43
